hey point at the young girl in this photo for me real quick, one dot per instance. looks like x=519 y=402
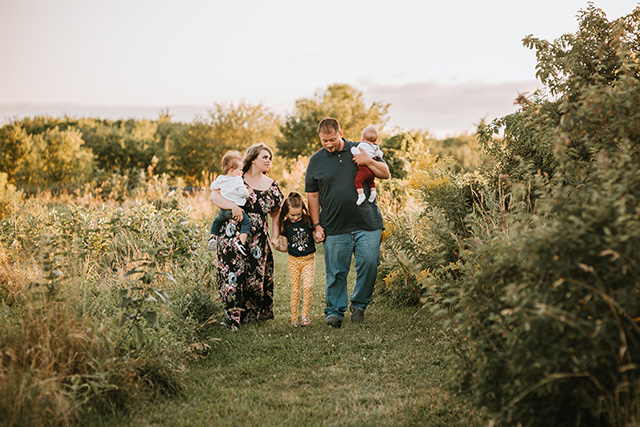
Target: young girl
x=296 y=234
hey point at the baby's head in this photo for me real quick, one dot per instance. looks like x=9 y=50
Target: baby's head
x=370 y=134
x=232 y=163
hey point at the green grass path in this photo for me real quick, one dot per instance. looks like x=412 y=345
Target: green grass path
x=390 y=370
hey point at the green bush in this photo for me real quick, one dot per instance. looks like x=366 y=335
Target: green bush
x=533 y=260
x=549 y=305
x=421 y=237
x=9 y=195
x=78 y=331
x=545 y=293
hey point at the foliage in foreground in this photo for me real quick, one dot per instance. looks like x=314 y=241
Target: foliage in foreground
x=540 y=277
x=100 y=305
x=389 y=371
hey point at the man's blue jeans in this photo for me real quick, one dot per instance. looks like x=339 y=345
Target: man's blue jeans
x=338 y=251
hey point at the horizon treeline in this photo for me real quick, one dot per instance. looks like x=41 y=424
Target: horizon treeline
x=65 y=153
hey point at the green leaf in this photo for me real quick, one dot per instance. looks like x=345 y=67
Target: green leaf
x=132 y=272
x=168 y=276
x=138 y=335
x=162 y=295
x=151 y=317
x=122 y=319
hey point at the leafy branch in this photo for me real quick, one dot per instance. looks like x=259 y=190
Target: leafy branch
x=136 y=301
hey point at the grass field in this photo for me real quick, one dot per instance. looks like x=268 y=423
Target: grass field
x=390 y=370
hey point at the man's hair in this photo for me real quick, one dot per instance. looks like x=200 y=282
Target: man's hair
x=231 y=160
x=370 y=134
x=329 y=125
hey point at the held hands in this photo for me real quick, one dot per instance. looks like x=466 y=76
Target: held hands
x=318 y=234
x=276 y=243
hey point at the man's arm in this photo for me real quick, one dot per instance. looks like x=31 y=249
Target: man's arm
x=379 y=169
x=313 y=202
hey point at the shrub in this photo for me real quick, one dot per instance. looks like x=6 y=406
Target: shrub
x=533 y=261
x=421 y=239
x=545 y=293
x=550 y=307
x=8 y=196
x=62 y=266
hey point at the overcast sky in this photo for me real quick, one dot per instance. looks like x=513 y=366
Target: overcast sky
x=443 y=65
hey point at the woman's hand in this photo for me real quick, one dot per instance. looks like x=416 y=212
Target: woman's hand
x=237 y=212
x=275 y=242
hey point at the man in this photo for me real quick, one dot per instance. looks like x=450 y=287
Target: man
x=346 y=228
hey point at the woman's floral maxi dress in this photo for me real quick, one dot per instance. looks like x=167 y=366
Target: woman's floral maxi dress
x=245 y=283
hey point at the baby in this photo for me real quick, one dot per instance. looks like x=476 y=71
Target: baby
x=232 y=188
x=369 y=144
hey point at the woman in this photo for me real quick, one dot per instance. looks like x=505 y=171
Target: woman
x=246 y=282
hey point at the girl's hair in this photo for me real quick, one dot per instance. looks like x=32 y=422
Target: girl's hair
x=293 y=200
x=253 y=152
x=231 y=160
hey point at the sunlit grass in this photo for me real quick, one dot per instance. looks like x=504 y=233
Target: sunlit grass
x=390 y=370
x=190 y=371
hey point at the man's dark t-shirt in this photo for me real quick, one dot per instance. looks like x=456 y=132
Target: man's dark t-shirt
x=331 y=175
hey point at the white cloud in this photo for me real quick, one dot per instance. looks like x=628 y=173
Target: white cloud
x=445 y=109
x=442 y=109
x=179 y=113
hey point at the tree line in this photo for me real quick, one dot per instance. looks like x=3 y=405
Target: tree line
x=49 y=152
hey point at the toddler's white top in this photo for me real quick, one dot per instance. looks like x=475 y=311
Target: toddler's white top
x=231 y=188
x=371 y=150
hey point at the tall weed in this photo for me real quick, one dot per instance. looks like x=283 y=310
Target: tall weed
x=62 y=267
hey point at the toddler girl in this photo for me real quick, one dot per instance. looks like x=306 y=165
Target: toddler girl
x=296 y=234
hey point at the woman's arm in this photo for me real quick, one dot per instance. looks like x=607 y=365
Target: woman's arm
x=223 y=203
x=275 y=224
